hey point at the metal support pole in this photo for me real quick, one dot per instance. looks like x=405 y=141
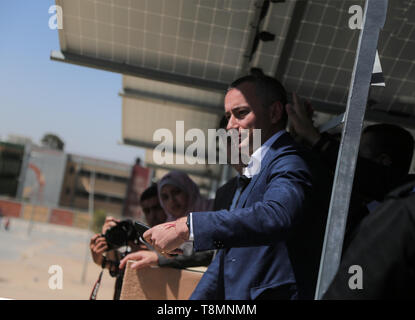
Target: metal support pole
x=32 y=211
x=91 y=218
x=23 y=170
x=333 y=123
x=254 y=27
x=373 y=20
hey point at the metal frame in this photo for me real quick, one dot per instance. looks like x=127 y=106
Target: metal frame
x=23 y=170
x=62 y=41
x=333 y=123
x=147 y=145
x=171 y=101
x=254 y=25
x=374 y=116
x=297 y=16
x=371 y=115
x=135 y=71
x=143 y=144
x=373 y=20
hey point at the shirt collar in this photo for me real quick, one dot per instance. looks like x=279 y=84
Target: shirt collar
x=254 y=164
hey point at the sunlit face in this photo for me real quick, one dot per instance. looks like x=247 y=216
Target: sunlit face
x=175 y=200
x=153 y=212
x=244 y=110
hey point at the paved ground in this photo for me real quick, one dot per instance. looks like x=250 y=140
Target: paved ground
x=25 y=261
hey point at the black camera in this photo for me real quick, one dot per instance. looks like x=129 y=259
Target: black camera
x=124 y=232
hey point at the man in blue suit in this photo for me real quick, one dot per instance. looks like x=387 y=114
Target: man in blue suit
x=253 y=260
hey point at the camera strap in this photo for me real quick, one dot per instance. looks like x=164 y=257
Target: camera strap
x=97 y=284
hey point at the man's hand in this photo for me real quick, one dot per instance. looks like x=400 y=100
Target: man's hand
x=167 y=237
x=98 y=245
x=144 y=259
x=109 y=223
x=301 y=123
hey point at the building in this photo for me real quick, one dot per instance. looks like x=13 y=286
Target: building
x=42 y=175
x=19 y=139
x=11 y=158
x=109 y=187
x=140 y=179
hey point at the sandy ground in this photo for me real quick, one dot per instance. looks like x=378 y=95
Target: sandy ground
x=25 y=261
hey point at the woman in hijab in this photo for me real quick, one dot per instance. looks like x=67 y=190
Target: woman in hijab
x=179 y=196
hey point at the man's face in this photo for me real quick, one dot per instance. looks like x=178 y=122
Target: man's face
x=153 y=211
x=244 y=110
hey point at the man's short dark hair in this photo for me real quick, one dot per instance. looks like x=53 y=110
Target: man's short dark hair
x=268 y=89
x=393 y=140
x=150 y=192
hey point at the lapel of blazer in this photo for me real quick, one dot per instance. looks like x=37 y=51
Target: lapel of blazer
x=270 y=155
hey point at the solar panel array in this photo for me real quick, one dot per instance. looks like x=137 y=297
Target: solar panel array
x=173 y=92
x=200 y=39
x=277 y=22
x=211 y=39
x=208 y=39
x=397 y=54
x=321 y=62
x=153 y=109
x=320 y=65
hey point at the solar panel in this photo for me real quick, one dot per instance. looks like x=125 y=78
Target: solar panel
x=277 y=22
x=397 y=50
x=320 y=65
x=208 y=40
x=322 y=59
x=173 y=92
x=186 y=37
x=150 y=105
x=142 y=118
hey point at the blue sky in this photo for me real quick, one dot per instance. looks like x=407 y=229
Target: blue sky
x=81 y=105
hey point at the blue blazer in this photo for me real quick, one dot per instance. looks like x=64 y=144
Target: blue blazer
x=253 y=253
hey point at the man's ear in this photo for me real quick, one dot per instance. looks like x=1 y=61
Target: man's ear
x=275 y=112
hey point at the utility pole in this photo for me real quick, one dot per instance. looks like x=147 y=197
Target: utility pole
x=90 y=190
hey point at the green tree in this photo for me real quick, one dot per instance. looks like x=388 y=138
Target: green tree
x=52 y=141
x=98 y=221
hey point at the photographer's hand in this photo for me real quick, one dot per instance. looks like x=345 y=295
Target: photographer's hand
x=109 y=223
x=144 y=259
x=98 y=245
